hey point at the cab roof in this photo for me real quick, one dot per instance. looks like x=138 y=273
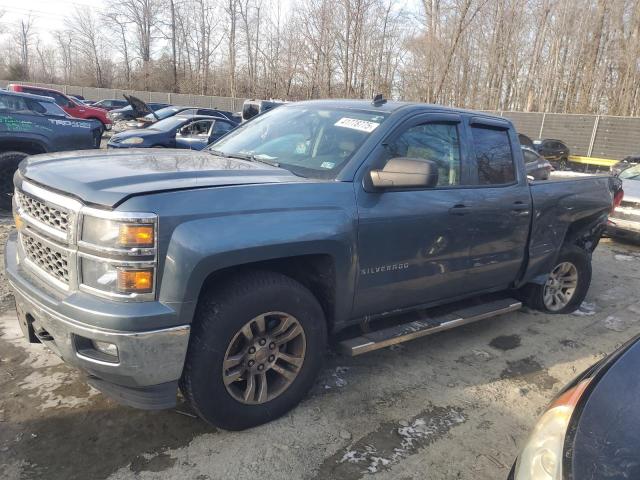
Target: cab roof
x=40 y=98
x=391 y=106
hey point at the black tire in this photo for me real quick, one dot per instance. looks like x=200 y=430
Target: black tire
x=9 y=162
x=563 y=164
x=97 y=140
x=220 y=315
x=533 y=295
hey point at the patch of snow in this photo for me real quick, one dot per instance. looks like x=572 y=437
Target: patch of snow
x=614 y=323
x=411 y=436
x=624 y=258
x=585 y=309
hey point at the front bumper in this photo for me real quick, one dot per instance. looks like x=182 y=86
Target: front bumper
x=149 y=362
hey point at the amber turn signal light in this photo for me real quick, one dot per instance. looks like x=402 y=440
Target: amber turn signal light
x=136 y=236
x=135 y=281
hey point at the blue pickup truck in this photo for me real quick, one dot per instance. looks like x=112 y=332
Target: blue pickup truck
x=31 y=124
x=223 y=272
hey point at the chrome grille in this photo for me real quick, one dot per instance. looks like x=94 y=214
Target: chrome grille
x=47 y=258
x=54 y=217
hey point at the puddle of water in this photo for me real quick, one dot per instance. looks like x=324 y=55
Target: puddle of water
x=530 y=371
x=506 y=342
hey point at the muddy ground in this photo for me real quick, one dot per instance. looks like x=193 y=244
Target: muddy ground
x=452 y=406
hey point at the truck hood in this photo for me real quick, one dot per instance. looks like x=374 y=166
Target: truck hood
x=107 y=178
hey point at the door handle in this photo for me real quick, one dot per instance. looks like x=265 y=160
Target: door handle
x=460 y=209
x=520 y=209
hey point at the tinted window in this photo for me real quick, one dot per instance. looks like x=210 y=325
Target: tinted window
x=437 y=142
x=35 y=91
x=13 y=104
x=221 y=127
x=529 y=156
x=199 y=128
x=493 y=155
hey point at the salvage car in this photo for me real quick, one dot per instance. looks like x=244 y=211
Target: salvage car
x=556 y=151
x=591 y=429
x=129 y=113
x=536 y=166
x=72 y=107
x=110 y=104
x=252 y=108
x=179 y=131
x=147 y=116
x=222 y=272
x=627 y=162
x=625 y=219
x=31 y=124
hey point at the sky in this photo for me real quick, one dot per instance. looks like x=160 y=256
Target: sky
x=49 y=14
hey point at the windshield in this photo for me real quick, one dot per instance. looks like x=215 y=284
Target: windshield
x=162 y=113
x=312 y=141
x=168 y=124
x=632 y=173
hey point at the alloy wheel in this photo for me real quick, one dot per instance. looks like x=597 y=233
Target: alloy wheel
x=264 y=358
x=560 y=286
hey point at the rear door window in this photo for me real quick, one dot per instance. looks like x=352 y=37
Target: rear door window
x=494 y=158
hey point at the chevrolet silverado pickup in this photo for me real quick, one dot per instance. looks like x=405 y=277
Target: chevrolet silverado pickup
x=224 y=272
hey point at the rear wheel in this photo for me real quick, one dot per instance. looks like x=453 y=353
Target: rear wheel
x=566 y=286
x=256 y=347
x=563 y=164
x=8 y=165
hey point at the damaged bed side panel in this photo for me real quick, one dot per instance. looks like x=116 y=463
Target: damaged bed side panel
x=575 y=213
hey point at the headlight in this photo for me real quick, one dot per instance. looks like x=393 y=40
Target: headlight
x=116 y=279
x=118 y=254
x=104 y=232
x=132 y=141
x=541 y=457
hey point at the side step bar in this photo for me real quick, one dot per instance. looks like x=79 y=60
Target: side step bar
x=375 y=340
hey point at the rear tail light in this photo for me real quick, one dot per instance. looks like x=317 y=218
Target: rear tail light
x=617 y=199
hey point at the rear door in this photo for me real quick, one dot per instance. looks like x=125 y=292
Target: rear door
x=413 y=245
x=501 y=205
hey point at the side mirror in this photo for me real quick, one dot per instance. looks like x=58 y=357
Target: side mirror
x=403 y=172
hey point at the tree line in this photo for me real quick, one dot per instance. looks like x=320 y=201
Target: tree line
x=572 y=56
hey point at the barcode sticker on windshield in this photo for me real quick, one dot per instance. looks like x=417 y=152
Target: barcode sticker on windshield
x=355 y=124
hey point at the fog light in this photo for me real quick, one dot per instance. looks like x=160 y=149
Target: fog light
x=105 y=347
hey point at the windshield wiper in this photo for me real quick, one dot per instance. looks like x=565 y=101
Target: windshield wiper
x=245 y=156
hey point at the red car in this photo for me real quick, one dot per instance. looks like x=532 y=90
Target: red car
x=69 y=105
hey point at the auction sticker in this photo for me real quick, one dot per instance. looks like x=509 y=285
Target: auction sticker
x=355 y=124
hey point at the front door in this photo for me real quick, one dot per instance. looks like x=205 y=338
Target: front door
x=194 y=135
x=413 y=245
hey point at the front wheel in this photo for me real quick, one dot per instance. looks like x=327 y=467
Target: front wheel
x=9 y=162
x=97 y=135
x=256 y=347
x=566 y=286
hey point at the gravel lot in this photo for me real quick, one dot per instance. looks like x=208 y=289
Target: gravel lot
x=452 y=406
